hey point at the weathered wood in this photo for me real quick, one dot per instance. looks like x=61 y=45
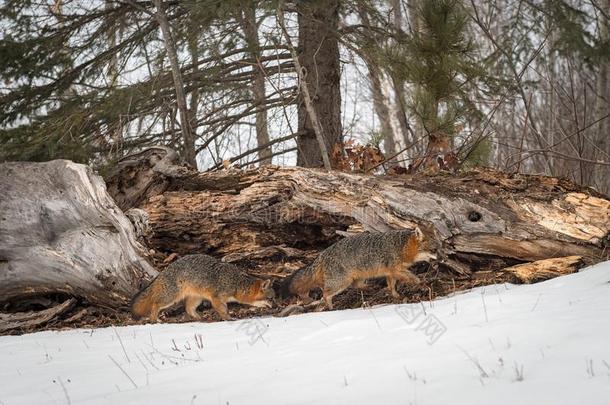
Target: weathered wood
x=482 y=219
x=61 y=233
x=27 y=320
x=142 y=175
x=546 y=269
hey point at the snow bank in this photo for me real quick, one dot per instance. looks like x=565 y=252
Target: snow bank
x=546 y=343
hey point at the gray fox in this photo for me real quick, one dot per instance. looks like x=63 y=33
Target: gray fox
x=353 y=260
x=193 y=278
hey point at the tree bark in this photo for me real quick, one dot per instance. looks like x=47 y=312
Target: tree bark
x=408 y=135
x=193 y=46
x=250 y=28
x=480 y=220
x=319 y=57
x=382 y=111
x=61 y=233
x=603 y=100
x=170 y=47
x=379 y=99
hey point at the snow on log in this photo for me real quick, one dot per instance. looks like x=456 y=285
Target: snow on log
x=61 y=233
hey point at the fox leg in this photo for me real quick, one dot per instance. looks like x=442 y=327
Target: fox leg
x=190 y=306
x=221 y=307
x=407 y=277
x=328 y=299
x=154 y=313
x=332 y=288
x=392 y=286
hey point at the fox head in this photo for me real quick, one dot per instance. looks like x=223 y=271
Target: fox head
x=267 y=290
x=259 y=295
x=139 y=306
x=284 y=289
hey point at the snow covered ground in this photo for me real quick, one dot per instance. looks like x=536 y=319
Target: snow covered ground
x=546 y=343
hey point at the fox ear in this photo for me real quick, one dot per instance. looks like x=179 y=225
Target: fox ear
x=266 y=284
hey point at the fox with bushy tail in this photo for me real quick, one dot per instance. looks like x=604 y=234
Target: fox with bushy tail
x=353 y=260
x=192 y=279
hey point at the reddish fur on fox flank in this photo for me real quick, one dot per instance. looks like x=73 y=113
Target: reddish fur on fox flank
x=411 y=249
x=355 y=259
x=194 y=278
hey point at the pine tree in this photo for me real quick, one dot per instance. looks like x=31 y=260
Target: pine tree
x=440 y=61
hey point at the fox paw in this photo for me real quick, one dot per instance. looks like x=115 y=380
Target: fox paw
x=262 y=304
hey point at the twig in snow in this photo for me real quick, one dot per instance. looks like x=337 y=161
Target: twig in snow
x=590 y=370
x=475 y=361
x=123 y=371
x=63 y=387
x=199 y=341
x=122 y=345
x=454 y=298
x=484 y=306
x=518 y=372
x=376 y=321
x=149 y=360
x=141 y=362
x=498 y=294
x=412 y=377
x=423 y=308
x=172 y=359
x=536 y=303
x=363 y=304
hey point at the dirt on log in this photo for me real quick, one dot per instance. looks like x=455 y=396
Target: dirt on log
x=480 y=220
x=61 y=234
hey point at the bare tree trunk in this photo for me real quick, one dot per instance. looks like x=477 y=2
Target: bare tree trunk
x=170 y=47
x=379 y=100
x=113 y=64
x=112 y=76
x=603 y=99
x=319 y=58
x=408 y=135
x=250 y=28
x=307 y=101
x=382 y=111
x=418 y=131
x=193 y=46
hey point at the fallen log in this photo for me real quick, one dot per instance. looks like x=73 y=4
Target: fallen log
x=27 y=320
x=482 y=219
x=61 y=233
x=541 y=270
